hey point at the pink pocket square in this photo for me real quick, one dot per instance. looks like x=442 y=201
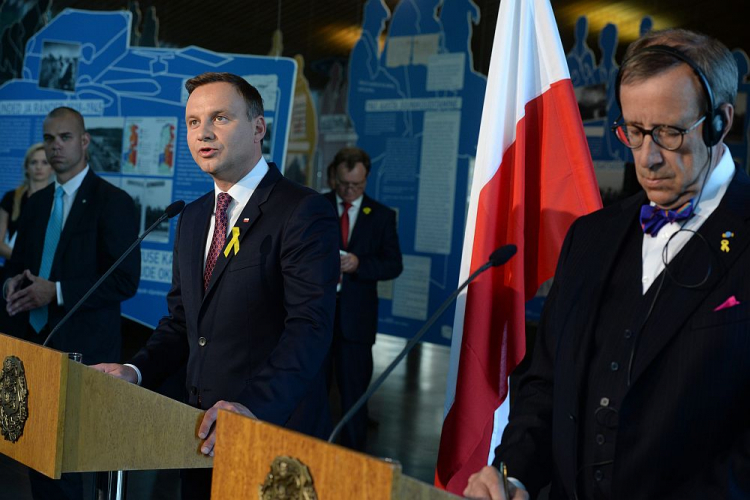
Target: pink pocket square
x=730 y=302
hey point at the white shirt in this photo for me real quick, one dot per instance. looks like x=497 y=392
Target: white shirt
x=353 y=213
x=653 y=246
x=70 y=189
x=240 y=193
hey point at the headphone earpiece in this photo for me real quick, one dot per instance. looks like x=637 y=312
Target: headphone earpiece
x=717 y=127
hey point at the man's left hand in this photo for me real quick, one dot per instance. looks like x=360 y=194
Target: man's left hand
x=39 y=293
x=207 y=429
x=349 y=263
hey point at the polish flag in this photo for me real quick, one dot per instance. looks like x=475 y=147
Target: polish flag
x=533 y=177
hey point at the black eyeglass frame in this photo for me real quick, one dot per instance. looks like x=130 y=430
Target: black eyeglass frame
x=655 y=137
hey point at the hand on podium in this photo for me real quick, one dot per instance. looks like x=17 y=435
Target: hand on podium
x=122 y=372
x=207 y=429
x=487 y=484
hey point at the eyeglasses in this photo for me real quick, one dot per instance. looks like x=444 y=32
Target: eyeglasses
x=351 y=185
x=665 y=136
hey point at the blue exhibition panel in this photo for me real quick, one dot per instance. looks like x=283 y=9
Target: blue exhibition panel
x=133 y=100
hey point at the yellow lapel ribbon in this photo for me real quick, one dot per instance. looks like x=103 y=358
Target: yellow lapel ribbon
x=234 y=242
x=367 y=210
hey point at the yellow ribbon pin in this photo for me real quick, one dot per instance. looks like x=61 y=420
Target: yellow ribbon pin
x=234 y=242
x=367 y=210
x=725 y=246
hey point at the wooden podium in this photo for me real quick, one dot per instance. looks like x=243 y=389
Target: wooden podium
x=82 y=420
x=245 y=449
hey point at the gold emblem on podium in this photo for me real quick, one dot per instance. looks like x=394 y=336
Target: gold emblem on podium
x=288 y=479
x=14 y=408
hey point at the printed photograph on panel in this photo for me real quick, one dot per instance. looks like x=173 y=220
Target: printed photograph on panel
x=151 y=197
x=59 y=65
x=106 y=143
x=148 y=146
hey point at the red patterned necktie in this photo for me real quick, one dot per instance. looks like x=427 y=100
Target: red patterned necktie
x=345 y=225
x=219 y=237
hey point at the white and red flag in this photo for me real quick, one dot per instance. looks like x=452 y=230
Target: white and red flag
x=532 y=178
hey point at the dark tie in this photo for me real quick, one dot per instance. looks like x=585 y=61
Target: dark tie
x=345 y=225
x=219 y=236
x=654 y=218
x=38 y=317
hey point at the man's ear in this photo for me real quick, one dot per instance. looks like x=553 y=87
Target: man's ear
x=260 y=128
x=727 y=110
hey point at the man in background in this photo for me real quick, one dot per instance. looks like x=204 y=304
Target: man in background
x=69 y=234
x=369 y=253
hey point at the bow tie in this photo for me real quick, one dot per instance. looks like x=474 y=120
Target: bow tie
x=654 y=218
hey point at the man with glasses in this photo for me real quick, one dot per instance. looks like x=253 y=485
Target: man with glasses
x=369 y=253
x=638 y=386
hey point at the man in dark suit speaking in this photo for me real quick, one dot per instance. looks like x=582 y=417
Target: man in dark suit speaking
x=369 y=253
x=254 y=278
x=638 y=386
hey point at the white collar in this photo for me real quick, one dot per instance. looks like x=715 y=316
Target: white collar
x=244 y=188
x=356 y=203
x=73 y=183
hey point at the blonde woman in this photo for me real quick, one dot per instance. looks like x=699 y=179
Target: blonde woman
x=37 y=174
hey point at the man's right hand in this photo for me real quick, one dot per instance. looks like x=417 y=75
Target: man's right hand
x=12 y=285
x=487 y=485
x=117 y=370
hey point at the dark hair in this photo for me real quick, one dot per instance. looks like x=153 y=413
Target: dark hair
x=710 y=55
x=252 y=97
x=350 y=157
x=64 y=110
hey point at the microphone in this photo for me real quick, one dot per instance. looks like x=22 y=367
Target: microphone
x=172 y=210
x=497 y=258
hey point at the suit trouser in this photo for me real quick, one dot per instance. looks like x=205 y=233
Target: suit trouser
x=352 y=367
x=195 y=484
x=68 y=487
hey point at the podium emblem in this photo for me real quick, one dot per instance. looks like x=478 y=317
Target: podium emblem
x=288 y=479
x=14 y=394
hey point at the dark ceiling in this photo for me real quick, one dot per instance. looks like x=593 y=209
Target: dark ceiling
x=325 y=30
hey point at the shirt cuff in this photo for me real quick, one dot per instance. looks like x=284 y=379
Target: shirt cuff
x=58 y=288
x=518 y=484
x=138 y=373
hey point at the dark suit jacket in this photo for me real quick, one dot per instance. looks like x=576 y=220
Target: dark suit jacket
x=683 y=427
x=374 y=241
x=101 y=225
x=260 y=333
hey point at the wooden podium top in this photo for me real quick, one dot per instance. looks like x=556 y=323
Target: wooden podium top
x=246 y=448
x=82 y=420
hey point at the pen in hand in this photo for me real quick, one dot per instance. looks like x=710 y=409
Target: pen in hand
x=504 y=474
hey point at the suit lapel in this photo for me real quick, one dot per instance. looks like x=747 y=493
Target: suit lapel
x=78 y=211
x=39 y=231
x=247 y=218
x=679 y=303
x=197 y=236
x=362 y=225
x=611 y=239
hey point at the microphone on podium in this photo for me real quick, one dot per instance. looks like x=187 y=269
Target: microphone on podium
x=172 y=210
x=497 y=258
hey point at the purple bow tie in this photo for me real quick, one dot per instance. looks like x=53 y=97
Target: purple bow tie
x=654 y=218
